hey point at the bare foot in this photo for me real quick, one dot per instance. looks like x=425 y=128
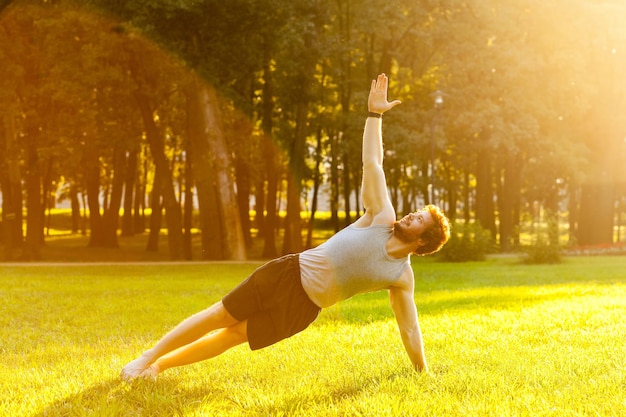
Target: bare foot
x=150 y=372
x=134 y=369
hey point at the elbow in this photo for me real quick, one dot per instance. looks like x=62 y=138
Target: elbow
x=372 y=163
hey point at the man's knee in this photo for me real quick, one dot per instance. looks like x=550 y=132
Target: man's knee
x=239 y=332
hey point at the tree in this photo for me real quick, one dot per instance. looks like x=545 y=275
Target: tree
x=529 y=119
x=10 y=153
x=212 y=167
x=604 y=127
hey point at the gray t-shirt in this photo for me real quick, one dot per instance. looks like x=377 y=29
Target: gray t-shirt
x=354 y=261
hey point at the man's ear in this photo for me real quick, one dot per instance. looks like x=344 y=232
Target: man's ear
x=419 y=242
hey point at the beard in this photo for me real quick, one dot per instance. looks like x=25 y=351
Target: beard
x=402 y=232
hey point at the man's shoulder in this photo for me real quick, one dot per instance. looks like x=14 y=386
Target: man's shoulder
x=384 y=217
x=406 y=279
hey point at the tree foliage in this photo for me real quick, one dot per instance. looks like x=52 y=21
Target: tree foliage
x=260 y=104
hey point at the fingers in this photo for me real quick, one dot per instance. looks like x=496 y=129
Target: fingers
x=380 y=83
x=383 y=81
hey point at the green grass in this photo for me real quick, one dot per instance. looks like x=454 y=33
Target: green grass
x=502 y=339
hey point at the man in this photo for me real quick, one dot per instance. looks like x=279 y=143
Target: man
x=284 y=296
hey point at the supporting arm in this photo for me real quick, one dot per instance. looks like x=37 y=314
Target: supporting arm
x=404 y=309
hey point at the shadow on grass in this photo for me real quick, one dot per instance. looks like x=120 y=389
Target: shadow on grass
x=375 y=307
x=168 y=397
x=115 y=397
x=338 y=395
x=361 y=383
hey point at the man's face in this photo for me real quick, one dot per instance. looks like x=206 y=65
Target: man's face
x=410 y=227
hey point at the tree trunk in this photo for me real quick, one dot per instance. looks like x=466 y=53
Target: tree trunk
x=203 y=173
x=188 y=210
x=243 y=199
x=551 y=213
x=425 y=170
x=112 y=211
x=48 y=200
x=345 y=96
x=139 y=219
x=346 y=188
x=260 y=200
x=157 y=149
x=334 y=182
x=292 y=242
x=386 y=59
x=596 y=219
x=356 y=186
x=34 y=224
x=293 y=222
x=466 y=197
x=227 y=198
x=393 y=179
x=407 y=193
x=509 y=201
x=129 y=188
x=573 y=206
x=453 y=197
x=11 y=190
x=211 y=151
x=270 y=160
x=484 y=193
x=157 y=212
x=271 y=201
x=308 y=57
x=92 y=179
x=316 y=187
x=75 y=205
x=243 y=135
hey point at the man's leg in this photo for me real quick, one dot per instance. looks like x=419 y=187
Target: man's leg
x=204 y=348
x=188 y=331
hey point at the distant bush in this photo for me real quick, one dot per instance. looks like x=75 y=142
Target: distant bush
x=545 y=250
x=468 y=242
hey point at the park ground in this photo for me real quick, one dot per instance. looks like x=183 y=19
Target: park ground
x=502 y=338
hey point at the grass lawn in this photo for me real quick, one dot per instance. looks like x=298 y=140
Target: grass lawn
x=502 y=339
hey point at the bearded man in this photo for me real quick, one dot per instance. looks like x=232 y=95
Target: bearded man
x=284 y=296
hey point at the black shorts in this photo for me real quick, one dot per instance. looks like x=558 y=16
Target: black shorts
x=273 y=301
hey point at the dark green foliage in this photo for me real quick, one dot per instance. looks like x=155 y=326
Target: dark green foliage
x=529 y=116
x=467 y=243
x=543 y=252
x=545 y=248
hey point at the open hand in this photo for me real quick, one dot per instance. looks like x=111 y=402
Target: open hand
x=377 y=101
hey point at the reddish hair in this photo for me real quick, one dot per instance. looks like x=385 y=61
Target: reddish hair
x=437 y=235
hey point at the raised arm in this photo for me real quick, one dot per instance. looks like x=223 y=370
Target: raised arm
x=374 y=188
x=404 y=309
